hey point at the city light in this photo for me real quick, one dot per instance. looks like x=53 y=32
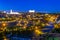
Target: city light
x=3 y=24
x=35 y=24
x=38 y=32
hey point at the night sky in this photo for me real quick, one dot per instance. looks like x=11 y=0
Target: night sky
x=25 y=5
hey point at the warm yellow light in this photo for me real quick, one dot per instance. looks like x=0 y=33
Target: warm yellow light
x=4 y=24
x=46 y=14
x=5 y=39
x=49 y=16
x=56 y=26
x=24 y=27
x=52 y=19
x=36 y=27
x=38 y=32
x=43 y=24
x=47 y=24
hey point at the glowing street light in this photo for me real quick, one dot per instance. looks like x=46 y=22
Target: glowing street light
x=38 y=32
x=4 y=24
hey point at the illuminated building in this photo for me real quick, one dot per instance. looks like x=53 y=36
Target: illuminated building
x=11 y=12
x=31 y=11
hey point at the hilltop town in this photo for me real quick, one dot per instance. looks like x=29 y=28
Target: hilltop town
x=36 y=22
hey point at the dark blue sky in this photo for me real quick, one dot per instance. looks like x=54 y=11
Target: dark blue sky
x=25 y=5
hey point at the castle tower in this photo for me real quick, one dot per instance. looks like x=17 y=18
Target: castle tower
x=10 y=11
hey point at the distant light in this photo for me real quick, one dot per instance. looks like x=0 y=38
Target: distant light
x=32 y=11
x=38 y=32
x=11 y=12
x=46 y=14
x=5 y=39
x=3 y=24
x=4 y=11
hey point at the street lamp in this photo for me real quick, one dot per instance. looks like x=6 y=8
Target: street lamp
x=3 y=24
